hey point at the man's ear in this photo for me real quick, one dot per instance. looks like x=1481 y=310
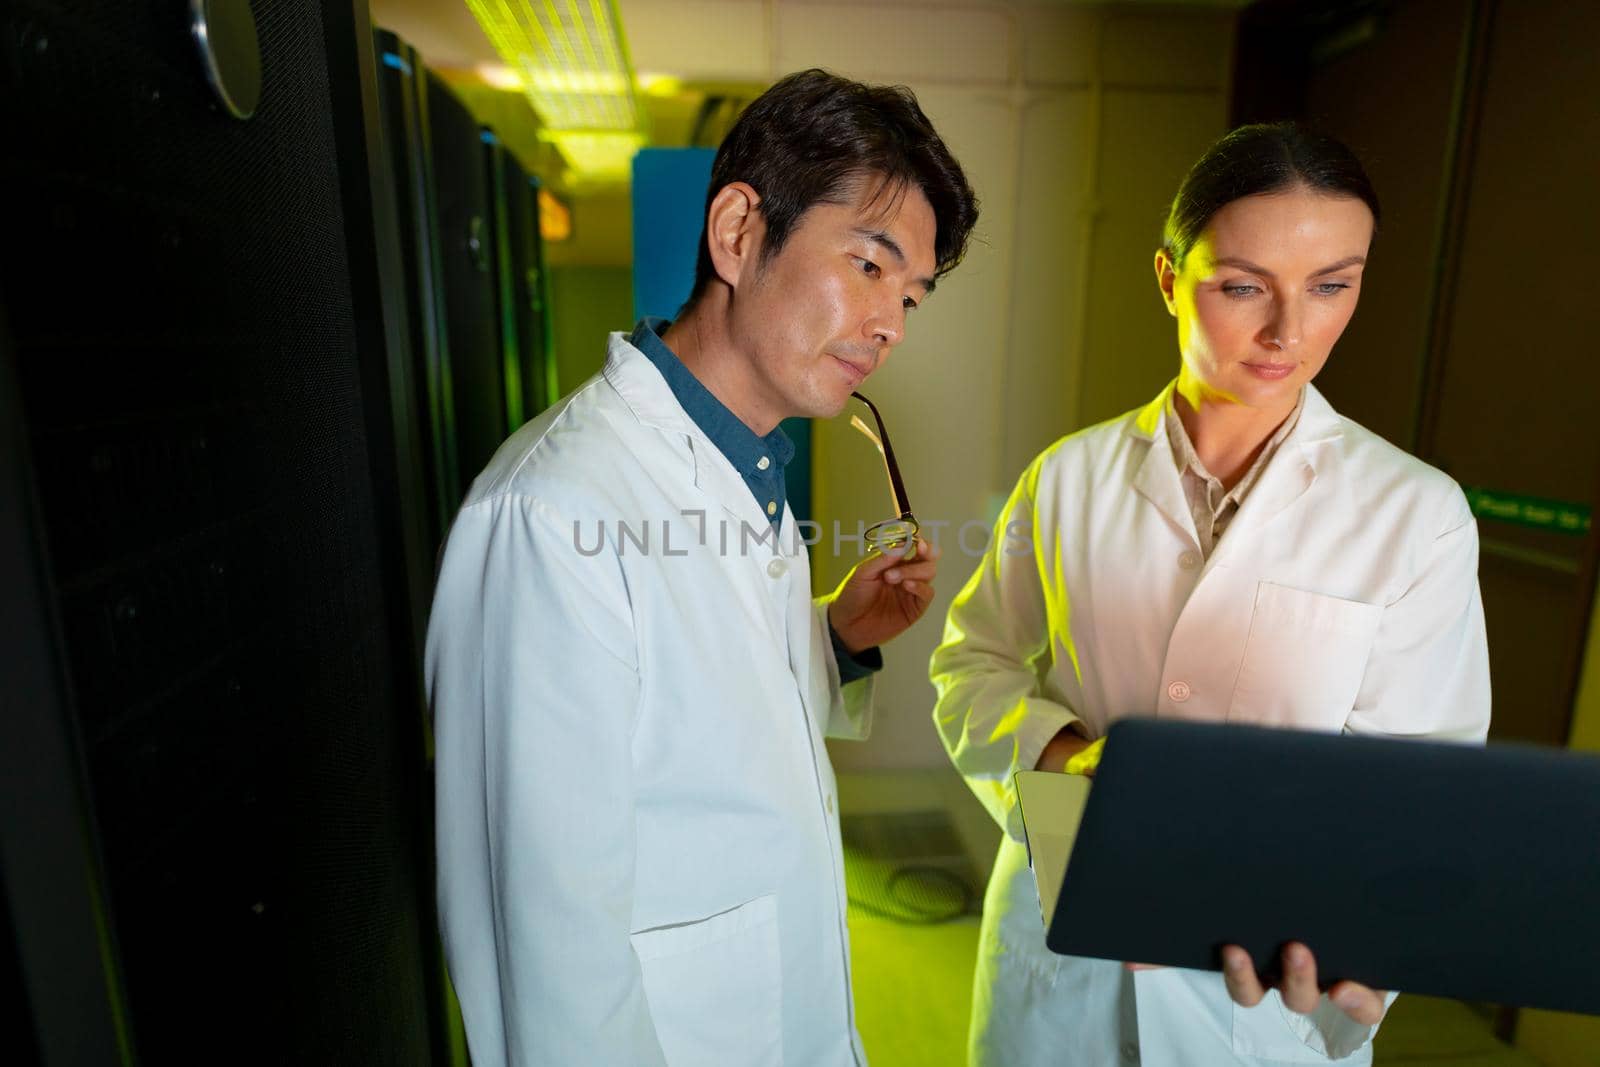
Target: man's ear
x=1166 y=277
x=734 y=232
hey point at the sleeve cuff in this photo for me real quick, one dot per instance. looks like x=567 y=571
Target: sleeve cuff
x=854 y=667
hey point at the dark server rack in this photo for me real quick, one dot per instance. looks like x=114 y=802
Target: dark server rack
x=467 y=257
x=402 y=82
x=537 y=277
x=503 y=176
x=521 y=290
x=216 y=821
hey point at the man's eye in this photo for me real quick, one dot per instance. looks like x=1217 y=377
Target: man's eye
x=1241 y=290
x=909 y=304
x=870 y=268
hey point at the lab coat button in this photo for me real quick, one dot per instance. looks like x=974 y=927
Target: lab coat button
x=1189 y=560
x=1130 y=1053
x=830 y=803
x=1179 y=692
x=777 y=568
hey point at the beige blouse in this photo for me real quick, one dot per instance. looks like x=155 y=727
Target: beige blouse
x=1212 y=506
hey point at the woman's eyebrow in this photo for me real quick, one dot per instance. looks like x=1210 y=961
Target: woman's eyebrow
x=1347 y=261
x=1241 y=264
x=1253 y=268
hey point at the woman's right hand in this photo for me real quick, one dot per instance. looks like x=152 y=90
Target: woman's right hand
x=1061 y=748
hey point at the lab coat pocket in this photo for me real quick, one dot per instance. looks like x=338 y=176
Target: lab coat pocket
x=715 y=987
x=1303 y=659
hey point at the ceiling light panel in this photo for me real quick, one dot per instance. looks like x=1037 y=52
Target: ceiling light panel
x=597 y=156
x=570 y=58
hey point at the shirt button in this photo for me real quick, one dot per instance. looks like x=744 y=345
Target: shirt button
x=763 y=463
x=1179 y=692
x=1189 y=560
x=772 y=507
x=777 y=568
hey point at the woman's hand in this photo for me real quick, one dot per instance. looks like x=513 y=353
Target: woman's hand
x=1059 y=752
x=1299 y=985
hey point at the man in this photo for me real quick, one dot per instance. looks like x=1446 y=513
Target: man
x=639 y=855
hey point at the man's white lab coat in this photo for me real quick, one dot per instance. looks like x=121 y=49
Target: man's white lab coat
x=638 y=846
x=1343 y=596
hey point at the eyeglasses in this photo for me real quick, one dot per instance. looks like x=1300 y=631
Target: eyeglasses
x=890 y=534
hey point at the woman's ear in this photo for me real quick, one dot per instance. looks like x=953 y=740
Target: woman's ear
x=734 y=231
x=1166 y=277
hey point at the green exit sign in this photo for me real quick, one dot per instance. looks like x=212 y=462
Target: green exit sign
x=1562 y=516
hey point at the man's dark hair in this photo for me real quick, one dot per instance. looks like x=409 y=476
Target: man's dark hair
x=1256 y=160
x=814 y=137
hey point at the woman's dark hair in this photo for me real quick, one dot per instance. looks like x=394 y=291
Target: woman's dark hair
x=813 y=137
x=1254 y=160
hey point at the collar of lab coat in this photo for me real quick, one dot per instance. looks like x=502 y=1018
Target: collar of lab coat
x=1308 y=452
x=648 y=396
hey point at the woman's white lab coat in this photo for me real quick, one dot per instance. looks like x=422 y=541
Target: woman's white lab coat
x=1343 y=596
x=638 y=845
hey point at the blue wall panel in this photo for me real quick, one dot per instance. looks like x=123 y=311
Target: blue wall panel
x=669 y=200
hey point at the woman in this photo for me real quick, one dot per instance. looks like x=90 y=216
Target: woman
x=1235 y=550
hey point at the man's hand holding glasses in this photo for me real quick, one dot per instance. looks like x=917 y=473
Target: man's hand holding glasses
x=890 y=589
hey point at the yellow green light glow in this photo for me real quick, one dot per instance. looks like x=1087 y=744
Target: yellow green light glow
x=570 y=60
x=660 y=84
x=597 y=155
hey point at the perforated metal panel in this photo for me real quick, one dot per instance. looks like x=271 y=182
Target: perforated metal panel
x=179 y=296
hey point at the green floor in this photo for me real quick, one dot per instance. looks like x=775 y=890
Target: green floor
x=913 y=986
x=913 y=983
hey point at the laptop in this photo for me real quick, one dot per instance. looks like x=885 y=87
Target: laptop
x=1431 y=867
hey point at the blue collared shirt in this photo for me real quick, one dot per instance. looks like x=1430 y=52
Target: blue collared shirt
x=759 y=460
